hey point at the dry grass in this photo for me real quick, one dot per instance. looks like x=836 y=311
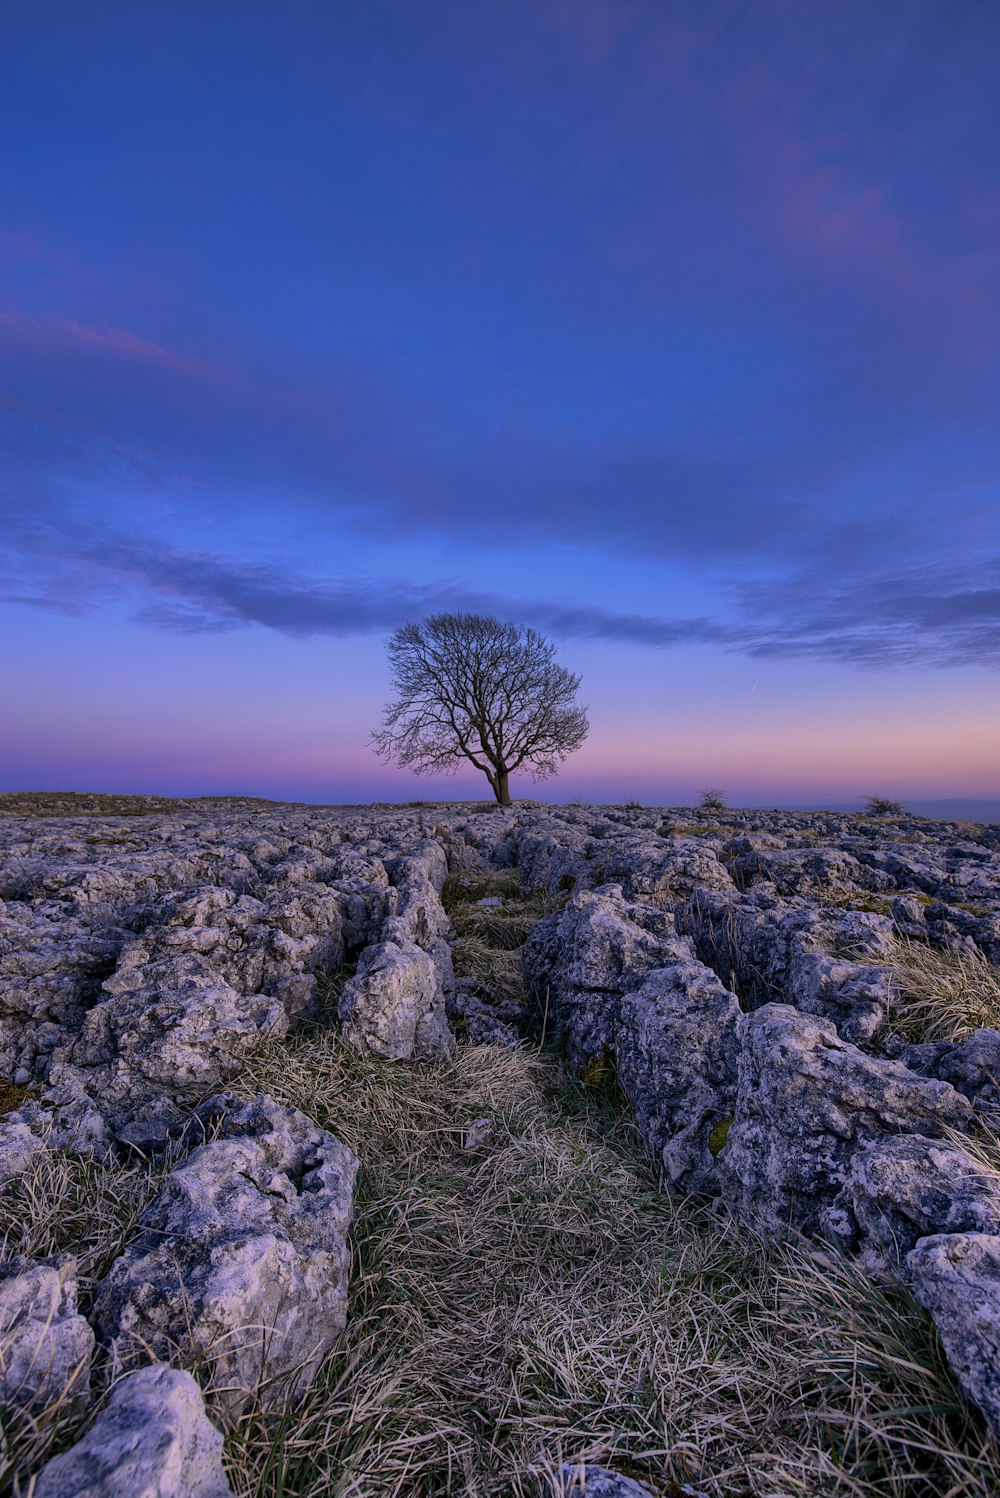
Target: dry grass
x=489 y=938
x=61 y=1205
x=539 y=1300
x=941 y=994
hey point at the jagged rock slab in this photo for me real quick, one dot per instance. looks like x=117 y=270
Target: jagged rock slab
x=579 y=962
x=677 y=1046
x=805 y=1102
x=152 y=1440
x=904 y=1188
x=957 y=1278
x=394 y=1006
x=45 y=1344
x=241 y=1266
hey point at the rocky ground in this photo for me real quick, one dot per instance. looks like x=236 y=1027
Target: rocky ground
x=441 y=1149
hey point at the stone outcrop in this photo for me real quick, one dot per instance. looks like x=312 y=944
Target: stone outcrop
x=956 y=1276
x=152 y=1440
x=171 y=1031
x=240 y=1269
x=394 y=1006
x=45 y=1344
x=805 y=1102
x=731 y=974
x=676 y=1046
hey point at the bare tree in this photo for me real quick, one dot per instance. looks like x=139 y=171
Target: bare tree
x=470 y=687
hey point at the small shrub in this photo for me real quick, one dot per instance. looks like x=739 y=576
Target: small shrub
x=633 y=805
x=884 y=806
x=711 y=800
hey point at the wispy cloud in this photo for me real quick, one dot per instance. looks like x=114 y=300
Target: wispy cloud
x=936 y=617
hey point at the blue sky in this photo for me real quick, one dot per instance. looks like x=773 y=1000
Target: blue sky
x=672 y=329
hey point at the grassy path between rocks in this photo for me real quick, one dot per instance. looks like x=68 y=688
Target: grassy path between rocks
x=536 y=1298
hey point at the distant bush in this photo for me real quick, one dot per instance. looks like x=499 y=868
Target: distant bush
x=711 y=800
x=633 y=805
x=884 y=806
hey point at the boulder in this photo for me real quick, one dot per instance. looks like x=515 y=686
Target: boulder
x=45 y=1344
x=177 y=1031
x=242 y=1261
x=599 y=1482
x=677 y=1048
x=903 y=1188
x=579 y=962
x=394 y=1006
x=972 y=1066
x=153 y=1439
x=806 y=1101
x=956 y=1276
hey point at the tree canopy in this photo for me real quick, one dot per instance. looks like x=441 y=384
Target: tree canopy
x=469 y=687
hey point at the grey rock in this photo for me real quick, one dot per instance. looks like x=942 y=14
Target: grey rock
x=19 y=1144
x=580 y=961
x=152 y=1440
x=600 y=1482
x=179 y=1031
x=242 y=1262
x=972 y=1066
x=903 y=1188
x=394 y=1005
x=957 y=1278
x=806 y=1101
x=677 y=1048
x=477 y=1133
x=45 y=1344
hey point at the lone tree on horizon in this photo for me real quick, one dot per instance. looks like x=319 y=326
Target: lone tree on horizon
x=471 y=687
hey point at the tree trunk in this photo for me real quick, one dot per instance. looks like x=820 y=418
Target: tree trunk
x=502 y=789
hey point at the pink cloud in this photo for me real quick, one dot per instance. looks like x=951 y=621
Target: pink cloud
x=54 y=333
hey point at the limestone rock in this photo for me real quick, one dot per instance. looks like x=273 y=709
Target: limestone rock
x=45 y=1344
x=678 y=1042
x=579 y=962
x=242 y=1261
x=179 y=1030
x=972 y=1066
x=805 y=1102
x=153 y=1439
x=903 y=1188
x=600 y=1482
x=394 y=1005
x=956 y=1277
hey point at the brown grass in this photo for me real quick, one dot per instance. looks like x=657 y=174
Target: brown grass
x=539 y=1300
x=941 y=994
x=62 y=1205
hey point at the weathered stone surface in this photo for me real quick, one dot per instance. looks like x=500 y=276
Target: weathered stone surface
x=806 y=1101
x=957 y=1278
x=677 y=1047
x=152 y=1440
x=972 y=1066
x=775 y=952
x=903 y=1188
x=242 y=1262
x=600 y=1482
x=579 y=962
x=45 y=1344
x=394 y=1006
x=19 y=1144
x=177 y=1031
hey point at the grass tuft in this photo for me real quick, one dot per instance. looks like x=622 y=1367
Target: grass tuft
x=941 y=994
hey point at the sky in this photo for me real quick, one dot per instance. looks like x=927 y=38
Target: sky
x=670 y=329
